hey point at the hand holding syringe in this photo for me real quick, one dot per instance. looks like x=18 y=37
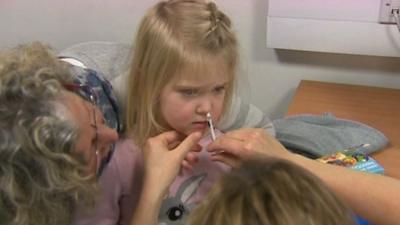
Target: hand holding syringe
x=212 y=131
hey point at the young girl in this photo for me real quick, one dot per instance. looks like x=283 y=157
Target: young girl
x=184 y=67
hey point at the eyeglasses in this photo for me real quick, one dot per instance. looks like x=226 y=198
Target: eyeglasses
x=87 y=92
x=83 y=90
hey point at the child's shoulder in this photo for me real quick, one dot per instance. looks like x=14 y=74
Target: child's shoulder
x=126 y=162
x=126 y=151
x=126 y=142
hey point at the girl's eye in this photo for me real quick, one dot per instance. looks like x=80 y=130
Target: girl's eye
x=219 y=90
x=189 y=92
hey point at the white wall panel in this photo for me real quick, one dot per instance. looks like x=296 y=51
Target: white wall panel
x=338 y=26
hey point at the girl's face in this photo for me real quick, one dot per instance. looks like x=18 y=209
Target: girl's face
x=185 y=102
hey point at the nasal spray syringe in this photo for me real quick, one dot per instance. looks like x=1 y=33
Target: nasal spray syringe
x=212 y=131
x=210 y=124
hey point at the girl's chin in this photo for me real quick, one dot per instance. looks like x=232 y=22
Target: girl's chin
x=192 y=130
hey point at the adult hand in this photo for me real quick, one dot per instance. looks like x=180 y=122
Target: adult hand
x=163 y=158
x=238 y=145
x=191 y=157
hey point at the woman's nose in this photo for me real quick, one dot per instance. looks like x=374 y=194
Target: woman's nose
x=106 y=137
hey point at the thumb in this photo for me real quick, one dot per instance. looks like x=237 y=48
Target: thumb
x=188 y=143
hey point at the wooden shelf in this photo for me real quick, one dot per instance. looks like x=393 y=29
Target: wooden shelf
x=374 y=106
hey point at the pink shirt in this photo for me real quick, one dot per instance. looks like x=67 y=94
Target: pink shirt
x=121 y=182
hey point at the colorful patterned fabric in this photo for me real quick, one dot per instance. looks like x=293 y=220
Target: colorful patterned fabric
x=106 y=100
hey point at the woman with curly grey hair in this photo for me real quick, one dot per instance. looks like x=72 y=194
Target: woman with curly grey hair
x=52 y=141
x=45 y=167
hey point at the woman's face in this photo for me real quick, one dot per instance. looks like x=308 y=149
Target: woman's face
x=95 y=139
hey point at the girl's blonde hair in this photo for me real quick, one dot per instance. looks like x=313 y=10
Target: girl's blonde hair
x=173 y=35
x=41 y=180
x=270 y=192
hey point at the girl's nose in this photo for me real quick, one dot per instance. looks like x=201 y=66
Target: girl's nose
x=205 y=106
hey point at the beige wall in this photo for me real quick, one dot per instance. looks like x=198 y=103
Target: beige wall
x=272 y=75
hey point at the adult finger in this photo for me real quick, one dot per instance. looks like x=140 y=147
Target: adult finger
x=226 y=158
x=187 y=145
x=174 y=144
x=243 y=133
x=227 y=144
x=170 y=137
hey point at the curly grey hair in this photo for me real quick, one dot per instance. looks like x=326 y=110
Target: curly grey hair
x=41 y=180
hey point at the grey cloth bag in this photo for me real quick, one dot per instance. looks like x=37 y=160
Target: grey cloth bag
x=318 y=135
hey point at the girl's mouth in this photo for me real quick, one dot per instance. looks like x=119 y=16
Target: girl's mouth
x=200 y=125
